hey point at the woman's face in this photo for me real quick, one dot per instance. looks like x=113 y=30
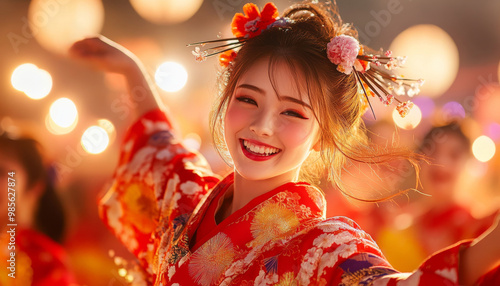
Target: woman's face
x=18 y=189
x=269 y=133
x=449 y=155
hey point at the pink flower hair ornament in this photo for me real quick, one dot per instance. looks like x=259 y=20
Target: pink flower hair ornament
x=346 y=52
x=343 y=51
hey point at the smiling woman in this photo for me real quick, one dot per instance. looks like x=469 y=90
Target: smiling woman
x=294 y=89
x=264 y=116
x=261 y=118
x=292 y=62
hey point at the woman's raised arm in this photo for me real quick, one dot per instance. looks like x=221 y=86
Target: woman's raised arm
x=108 y=56
x=482 y=256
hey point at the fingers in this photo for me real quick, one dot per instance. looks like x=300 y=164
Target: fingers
x=102 y=54
x=89 y=46
x=81 y=48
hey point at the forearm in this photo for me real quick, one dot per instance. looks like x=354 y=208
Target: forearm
x=482 y=256
x=141 y=90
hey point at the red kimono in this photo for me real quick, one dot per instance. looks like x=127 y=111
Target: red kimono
x=39 y=261
x=162 y=206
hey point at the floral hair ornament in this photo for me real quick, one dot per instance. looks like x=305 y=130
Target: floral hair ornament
x=244 y=26
x=372 y=74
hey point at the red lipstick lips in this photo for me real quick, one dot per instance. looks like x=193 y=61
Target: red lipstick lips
x=258 y=156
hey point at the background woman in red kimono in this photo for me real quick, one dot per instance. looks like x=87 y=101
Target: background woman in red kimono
x=39 y=218
x=438 y=220
x=289 y=94
x=441 y=216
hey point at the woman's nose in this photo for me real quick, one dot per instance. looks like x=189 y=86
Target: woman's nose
x=263 y=124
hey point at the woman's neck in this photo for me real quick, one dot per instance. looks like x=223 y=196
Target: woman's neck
x=245 y=190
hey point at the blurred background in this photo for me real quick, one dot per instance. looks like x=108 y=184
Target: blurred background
x=78 y=114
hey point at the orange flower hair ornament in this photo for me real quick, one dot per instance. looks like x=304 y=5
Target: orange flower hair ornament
x=371 y=71
x=244 y=26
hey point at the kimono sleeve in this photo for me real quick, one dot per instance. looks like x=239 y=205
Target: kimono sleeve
x=370 y=269
x=156 y=181
x=340 y=253
x=351 y=257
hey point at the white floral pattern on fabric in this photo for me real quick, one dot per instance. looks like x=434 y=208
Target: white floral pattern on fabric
x=162 y=190
x=447 y=273
x=190 y=188
x=265 y=279
x=309 y=265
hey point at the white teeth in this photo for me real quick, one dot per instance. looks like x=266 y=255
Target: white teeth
x=260 y=149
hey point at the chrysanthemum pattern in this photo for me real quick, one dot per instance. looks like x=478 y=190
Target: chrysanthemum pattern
x=209 y=262
x=161 y=191
x=272 y=221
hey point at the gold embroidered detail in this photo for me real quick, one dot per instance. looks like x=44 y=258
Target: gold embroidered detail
x=176 y=253
x=141 y=210
x=366 y=275
x=287 y=279
x=272 y=222
x=210 y=261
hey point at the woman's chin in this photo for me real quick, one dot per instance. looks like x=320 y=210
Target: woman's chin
x=252 y=175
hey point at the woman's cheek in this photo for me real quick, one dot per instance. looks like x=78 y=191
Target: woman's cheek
x=237 y=117
x=296 y=133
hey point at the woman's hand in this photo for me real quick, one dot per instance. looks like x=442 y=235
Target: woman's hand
x=482 y=256
x=103 y=54
x=108 y=56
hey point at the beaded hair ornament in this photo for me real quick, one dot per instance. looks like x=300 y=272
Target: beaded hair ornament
x=372 y=72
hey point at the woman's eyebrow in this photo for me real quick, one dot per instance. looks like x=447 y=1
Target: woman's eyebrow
x=251 y=87
x=282 y=97
x=295 y=100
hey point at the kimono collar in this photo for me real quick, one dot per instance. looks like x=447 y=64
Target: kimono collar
x=306 y=202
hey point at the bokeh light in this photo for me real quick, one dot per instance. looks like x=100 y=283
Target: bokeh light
x=171 y=76
x=108 y=127
x=95 y=140
x=36 y=83
x=166 y=11
x=410 y=121
x=56 y=129
x=21 y=76
x=425 y=104
x=453 y=111
x=494 y=131
x=122 y=272
x=192 y=141
x=58 y=24
x=432 y=55
x=63 y=112
x=483 y=148
x=129 y=278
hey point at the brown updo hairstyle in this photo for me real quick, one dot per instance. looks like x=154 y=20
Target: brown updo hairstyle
x=334 y=96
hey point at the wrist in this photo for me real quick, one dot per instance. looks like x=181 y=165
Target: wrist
x=133 y=69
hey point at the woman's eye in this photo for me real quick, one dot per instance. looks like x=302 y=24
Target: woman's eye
x=294 y=114
x=246 y=100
